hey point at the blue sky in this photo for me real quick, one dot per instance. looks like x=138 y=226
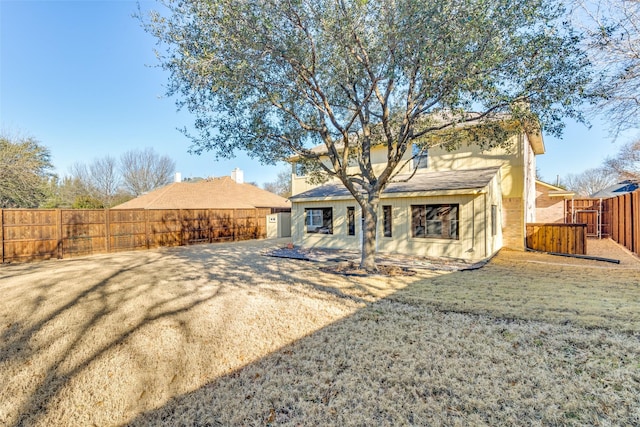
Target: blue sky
x=79 y=77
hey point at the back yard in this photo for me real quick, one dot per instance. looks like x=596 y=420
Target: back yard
x=221 y=335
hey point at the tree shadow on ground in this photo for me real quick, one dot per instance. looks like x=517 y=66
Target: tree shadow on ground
x=100 y=339
x=218 y=334
x=398 y=361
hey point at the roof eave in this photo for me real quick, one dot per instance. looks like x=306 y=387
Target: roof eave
x=536 y=141
x=397 y=195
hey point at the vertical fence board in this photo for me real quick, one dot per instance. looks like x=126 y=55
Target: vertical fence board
x=2 y=236
x=619 y=218
x=30 y=234
x=560 y=238
x=636 y=221
x=628 y=227
x=614 y=219
x=59 y=233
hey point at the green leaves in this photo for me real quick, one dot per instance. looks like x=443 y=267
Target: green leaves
x=25 y=166
x=272 y=77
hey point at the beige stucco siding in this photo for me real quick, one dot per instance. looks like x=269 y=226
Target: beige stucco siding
x=339 y=239
x=512 y=192
x=299 y=184
x=529 y=182
x=475 y=239
x=510 y=159
x=493 y=197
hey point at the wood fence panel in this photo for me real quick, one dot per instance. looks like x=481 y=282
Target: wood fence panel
x=196 y=226
x=625 y=220
x=84 y=232
x=628 y=224
x=222 y=225
x=635 y=220
x=31 y=234
x=558 y=238
x=614 y=219
x=164 y=228
x=2 y=236
x=127 y=229
x=605 y=220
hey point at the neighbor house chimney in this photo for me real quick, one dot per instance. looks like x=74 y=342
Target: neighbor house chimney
x=177 y=177
x=237 y=175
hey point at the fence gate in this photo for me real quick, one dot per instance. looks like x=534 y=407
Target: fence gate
x=587 y=211
x=592 y=219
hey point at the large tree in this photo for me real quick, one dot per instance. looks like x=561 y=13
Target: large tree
x=612 y=29
x=275 y=78
x=25 y=168
x=145 y=170
x=590 y=181
x=282 y=185
x=98 y=182
x=626 y=164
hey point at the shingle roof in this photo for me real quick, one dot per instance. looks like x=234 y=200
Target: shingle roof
x=213 y=193
x=469 y=179
x=623 y=187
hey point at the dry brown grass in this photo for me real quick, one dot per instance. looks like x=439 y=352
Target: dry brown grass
x=530 y=286
x=218 y=335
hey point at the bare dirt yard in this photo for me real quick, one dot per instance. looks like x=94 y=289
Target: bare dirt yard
x=223 y=335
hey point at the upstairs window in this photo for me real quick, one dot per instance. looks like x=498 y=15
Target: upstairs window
x=319 y=221
x=420 y=159
x=299 y=169
x=437 y=221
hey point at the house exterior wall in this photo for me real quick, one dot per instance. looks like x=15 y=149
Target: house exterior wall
x=513 y=223
x=516 y=185
x=529 y=181
x=475 y=241
x=548 y=209
x=299 y=184
x=511 y=160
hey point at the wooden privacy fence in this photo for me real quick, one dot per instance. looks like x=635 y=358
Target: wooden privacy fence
x=625 y=220
x=593 y=212
x=617 y=218
x=32 y=234
x=558 y=238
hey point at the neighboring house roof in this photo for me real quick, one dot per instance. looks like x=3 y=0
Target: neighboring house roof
x=554 y=191
x=211 y=193
x=623 y=187
x=422 y=184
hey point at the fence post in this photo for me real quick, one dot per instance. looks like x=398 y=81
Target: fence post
x=209 y=225
x=233 y=225
x=181 y=225
x=146 y=226
x=1 y=236
x=635 y=220
x=107 y=225
x=257 y=229
x=59 y=233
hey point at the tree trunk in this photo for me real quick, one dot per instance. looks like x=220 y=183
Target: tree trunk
x=369 y=233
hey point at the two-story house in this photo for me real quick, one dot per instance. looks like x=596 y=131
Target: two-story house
x=464 y=204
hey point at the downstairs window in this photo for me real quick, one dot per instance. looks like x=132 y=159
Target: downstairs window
x=437 y=221
x=319 y=220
